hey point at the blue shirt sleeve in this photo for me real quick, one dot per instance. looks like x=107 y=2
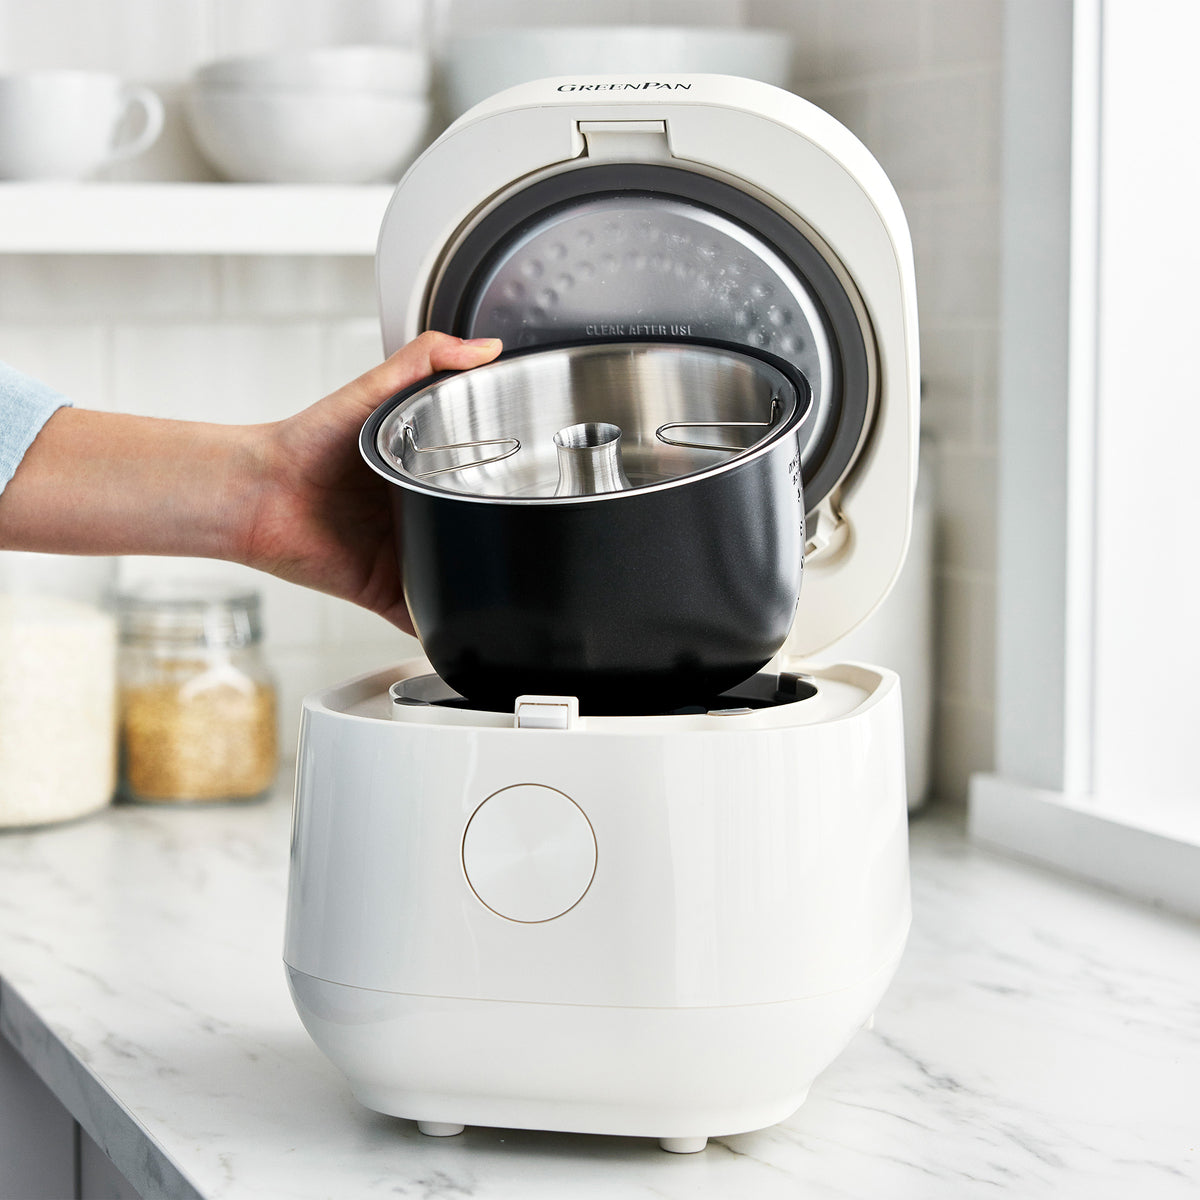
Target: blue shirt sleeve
x=25 y=406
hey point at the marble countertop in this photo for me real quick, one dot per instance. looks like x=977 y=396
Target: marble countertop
x=1042 y=1038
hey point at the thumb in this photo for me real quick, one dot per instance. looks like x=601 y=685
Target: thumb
x=423 y=356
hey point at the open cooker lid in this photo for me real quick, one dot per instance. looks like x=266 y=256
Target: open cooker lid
x=692 y=207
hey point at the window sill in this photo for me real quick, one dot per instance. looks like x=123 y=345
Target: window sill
x=1152 y=854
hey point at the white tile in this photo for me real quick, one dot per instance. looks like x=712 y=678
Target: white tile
x=962 y=31
x=105 y=286
x=967 y=509
x=957 y=251
x=869 y=37
x=988 y=387
x=934 y=132
x=850 y=104
x=949 y=366
x=292 y=616
x=159 y=42
x=349 y=626
x=146 y=40
x=57 y=33
x=795 y=16
x=137 y=570
x=238 y=373
x=799 y=19
x=403 y=22
x=287 y=285
x=346 y=662
x=966 y=638
x=260 y=26
x=963 y=744
x=476 y=14
x=73 y=359
x=467 y=15
x=351 y=348
x=692 y=12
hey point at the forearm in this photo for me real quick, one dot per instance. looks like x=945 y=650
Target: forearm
x=109 y=483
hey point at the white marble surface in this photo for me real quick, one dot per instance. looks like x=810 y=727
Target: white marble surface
x=1041 y=1039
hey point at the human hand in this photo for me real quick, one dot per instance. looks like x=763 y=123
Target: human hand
x=323 y=518
x=291 y=497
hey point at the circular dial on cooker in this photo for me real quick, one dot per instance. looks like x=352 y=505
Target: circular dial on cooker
x=529 y=853
x=677 y=257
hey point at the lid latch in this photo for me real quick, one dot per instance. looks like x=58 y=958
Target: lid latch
x=546 y=712
x=639 y=141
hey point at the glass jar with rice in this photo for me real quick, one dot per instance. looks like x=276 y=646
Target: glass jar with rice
x=197 y=699
x=58 y=650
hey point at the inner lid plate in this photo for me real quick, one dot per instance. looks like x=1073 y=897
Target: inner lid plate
x=683 y=270
x=568 y=260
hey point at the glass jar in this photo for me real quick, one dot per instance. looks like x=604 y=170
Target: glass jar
x=57 y=687
x=197 y=698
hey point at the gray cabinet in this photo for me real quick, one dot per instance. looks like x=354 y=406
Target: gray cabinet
x=44 y=1154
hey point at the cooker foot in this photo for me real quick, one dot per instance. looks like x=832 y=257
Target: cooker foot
x=683 y=1145
x=438 y=1128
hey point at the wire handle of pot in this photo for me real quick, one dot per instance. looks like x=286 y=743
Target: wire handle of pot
x=410 y=439
x=764 y=426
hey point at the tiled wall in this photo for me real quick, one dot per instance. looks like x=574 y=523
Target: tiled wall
x=917 y=80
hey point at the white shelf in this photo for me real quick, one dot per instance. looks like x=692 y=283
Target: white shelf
x=189 y=218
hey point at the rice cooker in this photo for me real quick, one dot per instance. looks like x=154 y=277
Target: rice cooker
x=592 y=899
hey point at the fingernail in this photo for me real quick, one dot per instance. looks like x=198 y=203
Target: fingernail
x=480 y=341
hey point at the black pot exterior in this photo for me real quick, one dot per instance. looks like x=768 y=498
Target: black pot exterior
x=637 y=602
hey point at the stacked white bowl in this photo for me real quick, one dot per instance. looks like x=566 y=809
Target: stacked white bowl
x=338 y=114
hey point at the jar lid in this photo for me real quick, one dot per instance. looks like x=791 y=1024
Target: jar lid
x=189 y=613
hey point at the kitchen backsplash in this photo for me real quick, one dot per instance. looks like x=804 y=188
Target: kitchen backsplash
x=258 y=337
x=919 y=82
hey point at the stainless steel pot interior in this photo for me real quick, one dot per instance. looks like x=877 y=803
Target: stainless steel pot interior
x=681 y=408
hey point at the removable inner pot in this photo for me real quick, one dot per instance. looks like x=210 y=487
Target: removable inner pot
x=680 y=409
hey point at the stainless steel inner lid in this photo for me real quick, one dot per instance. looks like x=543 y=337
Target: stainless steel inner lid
x=649 y=412
x=674 y=266
x=654 y=251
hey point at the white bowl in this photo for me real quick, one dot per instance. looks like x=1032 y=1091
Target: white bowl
x=282 y=136
x=477 y=65
x=401 y=69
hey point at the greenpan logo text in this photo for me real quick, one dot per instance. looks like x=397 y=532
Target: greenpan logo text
x=649 y=86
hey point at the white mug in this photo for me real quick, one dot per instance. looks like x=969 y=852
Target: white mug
x=69 y=124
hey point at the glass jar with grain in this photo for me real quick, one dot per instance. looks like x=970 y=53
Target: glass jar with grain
x=197 y=698
x=58 y=687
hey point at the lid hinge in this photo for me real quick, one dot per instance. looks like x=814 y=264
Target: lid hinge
x=545 y=712
x=639 y=141
x=826 y=531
